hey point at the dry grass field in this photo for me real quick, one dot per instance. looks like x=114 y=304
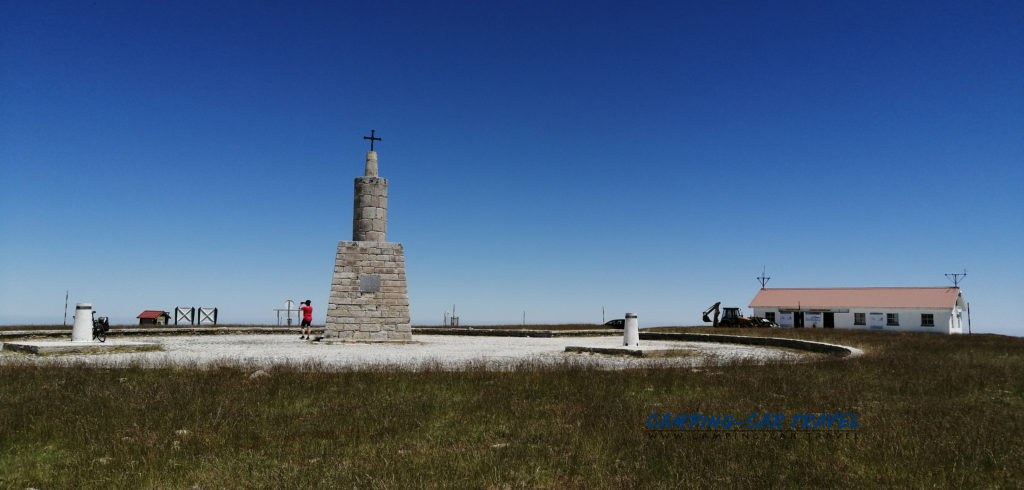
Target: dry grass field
x=933 y=411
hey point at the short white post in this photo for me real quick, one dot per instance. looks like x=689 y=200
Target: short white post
x=82 y=331
x=631 y=331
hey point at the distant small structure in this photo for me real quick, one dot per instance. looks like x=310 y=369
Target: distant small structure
x=289 y=308
x=185 y=315
x=153 y=317
x=191 y=315
x=207 y=315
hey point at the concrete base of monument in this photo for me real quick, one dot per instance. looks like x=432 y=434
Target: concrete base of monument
x=329 y=341
x=614 y=351
x=660 y=351
x=393 y=336
x=58 y=347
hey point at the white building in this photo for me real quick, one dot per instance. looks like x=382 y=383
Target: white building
x=936 y=309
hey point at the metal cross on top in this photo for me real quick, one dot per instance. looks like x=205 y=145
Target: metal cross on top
x=372 y=138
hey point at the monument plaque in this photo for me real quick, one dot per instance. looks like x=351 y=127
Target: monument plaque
x=369 y=283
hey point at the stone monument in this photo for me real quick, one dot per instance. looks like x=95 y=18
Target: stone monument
x=369 y=300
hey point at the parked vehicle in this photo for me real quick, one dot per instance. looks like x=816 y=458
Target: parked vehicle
x=618 y=323
x=733 y=318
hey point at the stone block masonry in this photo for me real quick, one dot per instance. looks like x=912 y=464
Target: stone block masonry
x=369 y=298
x=370 y=210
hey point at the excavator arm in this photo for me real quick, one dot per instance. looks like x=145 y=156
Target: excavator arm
x=715 y=309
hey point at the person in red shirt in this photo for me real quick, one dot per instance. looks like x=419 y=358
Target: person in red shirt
x=307 y=319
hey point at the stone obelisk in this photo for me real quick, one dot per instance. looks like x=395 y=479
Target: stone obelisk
x=369 y=298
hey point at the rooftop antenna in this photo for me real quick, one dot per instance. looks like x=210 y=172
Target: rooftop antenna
x=956 y=277
x=764 y=279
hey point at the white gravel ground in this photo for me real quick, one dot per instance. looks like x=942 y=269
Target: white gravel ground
x=447 y=351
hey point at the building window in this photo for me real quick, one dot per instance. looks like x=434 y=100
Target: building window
x=858 y=319
x=770 y=316
x=927 y=320
x=892 y=319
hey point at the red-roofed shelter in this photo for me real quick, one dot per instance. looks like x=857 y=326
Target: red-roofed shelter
x=153 y=317
x=922 y=309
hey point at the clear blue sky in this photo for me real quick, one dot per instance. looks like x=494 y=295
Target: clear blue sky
x=546 y=157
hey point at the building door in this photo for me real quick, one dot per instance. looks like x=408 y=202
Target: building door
x=830 y=320
x=798 y=319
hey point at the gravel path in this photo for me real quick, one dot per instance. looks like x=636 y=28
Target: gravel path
x=446 y=351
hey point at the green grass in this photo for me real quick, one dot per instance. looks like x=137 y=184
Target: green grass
x=934 y=410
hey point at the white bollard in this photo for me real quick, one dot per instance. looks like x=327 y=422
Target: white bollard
x=631 y=331
x=82 y=331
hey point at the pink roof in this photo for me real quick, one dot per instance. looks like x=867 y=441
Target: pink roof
x=151 y=314
x=938 y=297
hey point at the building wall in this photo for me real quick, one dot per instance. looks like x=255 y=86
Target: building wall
x=947 y=320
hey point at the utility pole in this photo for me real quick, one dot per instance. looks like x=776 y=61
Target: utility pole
x=968 y=318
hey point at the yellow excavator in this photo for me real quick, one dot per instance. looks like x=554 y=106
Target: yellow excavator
x=732 y=318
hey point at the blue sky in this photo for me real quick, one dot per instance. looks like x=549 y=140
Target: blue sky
x=547 y=157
